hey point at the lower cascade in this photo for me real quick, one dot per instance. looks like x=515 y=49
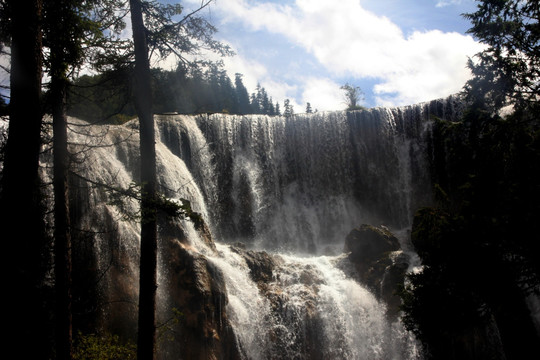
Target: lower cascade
x=273 y=268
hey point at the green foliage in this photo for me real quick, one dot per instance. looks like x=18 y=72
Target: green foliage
x=107 y=97
x=479 y=245
x=353 y=96
x=288 y=109
x=107 y=347
x=166 y=35
x=171 y=208
x=102 y=98
x=507 y=71
x=166 y=331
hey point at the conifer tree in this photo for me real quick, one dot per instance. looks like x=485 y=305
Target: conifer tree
x=21 y=215
x=288 y=108
x=507 y=71
x=155 y=31
x=244 y=106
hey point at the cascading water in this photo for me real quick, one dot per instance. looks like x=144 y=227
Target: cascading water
x=301 y=183
x=293 y=186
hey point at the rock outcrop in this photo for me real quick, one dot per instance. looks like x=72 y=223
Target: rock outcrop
x=379 y=263
x=198 y=298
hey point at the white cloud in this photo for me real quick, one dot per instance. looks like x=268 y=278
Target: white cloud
x=353 y=42
x=323 y=94
x=443 y=3
x=254 y=73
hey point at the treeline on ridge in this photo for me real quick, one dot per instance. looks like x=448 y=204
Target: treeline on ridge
x=108 y=97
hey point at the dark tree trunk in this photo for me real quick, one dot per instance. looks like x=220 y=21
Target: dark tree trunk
x=21 y=215
x=60 y=28
x=148 y=262
x=62 y=230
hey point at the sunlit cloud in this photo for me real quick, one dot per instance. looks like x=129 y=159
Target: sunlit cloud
x=323 y=94
x=443 y=3
x=349 y=41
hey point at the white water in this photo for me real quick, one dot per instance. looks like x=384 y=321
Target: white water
x=280 y=184
x=311 y=310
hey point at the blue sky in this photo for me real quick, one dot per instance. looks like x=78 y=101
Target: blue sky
x=398 y=51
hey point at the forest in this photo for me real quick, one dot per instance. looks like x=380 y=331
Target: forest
x=106 y=98
x=478 y=240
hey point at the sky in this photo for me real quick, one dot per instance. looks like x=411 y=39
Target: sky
x=399 y=52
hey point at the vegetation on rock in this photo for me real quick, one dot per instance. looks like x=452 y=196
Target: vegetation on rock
x=478 y=244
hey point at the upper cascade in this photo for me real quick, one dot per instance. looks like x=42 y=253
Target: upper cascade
x=287 y=184
x=302 y=182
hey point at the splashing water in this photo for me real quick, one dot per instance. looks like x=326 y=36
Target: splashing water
x=296 y=185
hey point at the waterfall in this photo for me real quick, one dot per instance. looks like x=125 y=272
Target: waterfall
x=278 y=196
x=301 y=183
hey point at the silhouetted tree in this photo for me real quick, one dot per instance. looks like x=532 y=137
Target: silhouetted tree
x=21 y=215
x=156 y=32
x=507 y=71
x=288 y=108
x=353 y=96
x=244 y=106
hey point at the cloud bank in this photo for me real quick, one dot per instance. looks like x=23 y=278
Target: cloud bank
x=349 y=41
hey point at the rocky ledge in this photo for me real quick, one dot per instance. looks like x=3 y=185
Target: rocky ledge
x=378 y=262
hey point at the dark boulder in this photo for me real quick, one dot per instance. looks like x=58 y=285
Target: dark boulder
x=260 y=263
x=369 y=243
x=379 y=263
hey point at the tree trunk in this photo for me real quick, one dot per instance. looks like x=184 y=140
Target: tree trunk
x=60 y=29
x=62 y=230
x=148 y=262
x=21 y=215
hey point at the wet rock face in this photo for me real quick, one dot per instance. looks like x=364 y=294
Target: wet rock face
x=260 y=263
x=379 y=263
x=196 y=298
x=197 y=292
x=368 y=243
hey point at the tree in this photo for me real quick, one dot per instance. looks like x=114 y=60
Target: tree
x=508 y=70
x=453 y=306
x=309 y=110
x=146 y=340
x=72 y=30
x=288 y=109
x=277 y=110
x=353 y=96
x=59 y=14
x=244 y=107
x=156 y=32
x=21 y=215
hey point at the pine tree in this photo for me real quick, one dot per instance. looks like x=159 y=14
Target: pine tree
x=155 y=31
x=244 y=106
x=21 y=216
x=146 y=341
x=271 y=108
x=507 y=71
x=288 y=108
x=254 y=104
